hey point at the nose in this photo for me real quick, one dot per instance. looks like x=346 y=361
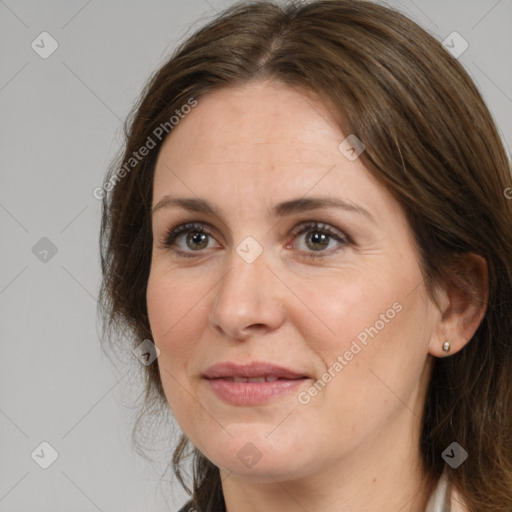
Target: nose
x=248 y=300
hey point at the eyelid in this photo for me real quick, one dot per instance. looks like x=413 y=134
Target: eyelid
x=320 y=226
x=308 y=226
x=172 y=233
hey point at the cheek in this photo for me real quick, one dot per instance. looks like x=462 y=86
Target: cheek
x=372 y=324
x=173 y=311
x=372 y=367
x=352 y=306
x=176 y=318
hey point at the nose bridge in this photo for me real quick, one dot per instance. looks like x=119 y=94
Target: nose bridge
x=245 y=299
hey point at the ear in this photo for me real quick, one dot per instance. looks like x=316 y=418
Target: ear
x=463 y=308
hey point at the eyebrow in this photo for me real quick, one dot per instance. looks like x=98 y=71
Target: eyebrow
x=196 y=205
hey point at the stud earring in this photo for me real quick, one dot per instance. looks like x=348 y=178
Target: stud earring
x=446 y=346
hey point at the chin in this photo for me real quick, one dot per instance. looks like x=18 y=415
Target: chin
x=257 y=455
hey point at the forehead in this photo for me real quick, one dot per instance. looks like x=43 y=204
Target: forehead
x=260 y=121
x=262 y=141
x=261 y=124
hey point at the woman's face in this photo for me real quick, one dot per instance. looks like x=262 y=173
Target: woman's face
x=326 y=298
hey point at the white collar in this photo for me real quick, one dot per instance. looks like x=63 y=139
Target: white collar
x=445 y=498
x=440 y=499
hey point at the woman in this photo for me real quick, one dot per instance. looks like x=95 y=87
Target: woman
x=310 y=221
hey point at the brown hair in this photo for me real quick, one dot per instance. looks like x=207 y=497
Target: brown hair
x=430 y=140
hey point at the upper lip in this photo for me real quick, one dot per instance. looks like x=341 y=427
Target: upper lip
x=254 y=369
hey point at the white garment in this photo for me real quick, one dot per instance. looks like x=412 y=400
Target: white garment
x=443 y=499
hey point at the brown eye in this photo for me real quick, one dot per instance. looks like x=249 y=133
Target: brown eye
x=317 y=241
x=187 y=239
x=196 y=240
x=320 y=240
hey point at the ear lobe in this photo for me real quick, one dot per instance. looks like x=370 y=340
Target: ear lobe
x=466 y=303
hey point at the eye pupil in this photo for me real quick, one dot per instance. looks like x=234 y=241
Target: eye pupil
x=318 y=238
x=197 y=238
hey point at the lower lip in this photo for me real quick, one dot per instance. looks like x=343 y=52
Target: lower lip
x=253 y=393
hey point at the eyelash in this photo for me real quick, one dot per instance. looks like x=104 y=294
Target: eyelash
x=172 y=234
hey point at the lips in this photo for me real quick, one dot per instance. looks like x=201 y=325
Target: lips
x=248 y=372
x=252 y=384
x=265 y=378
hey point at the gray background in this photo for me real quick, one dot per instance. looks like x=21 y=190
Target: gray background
x=61 y=126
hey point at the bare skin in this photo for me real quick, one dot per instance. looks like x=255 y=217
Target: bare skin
x=353 y=445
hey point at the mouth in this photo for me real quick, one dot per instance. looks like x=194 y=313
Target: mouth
x=253 y=383
x=255 y=370
x=264 y=378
